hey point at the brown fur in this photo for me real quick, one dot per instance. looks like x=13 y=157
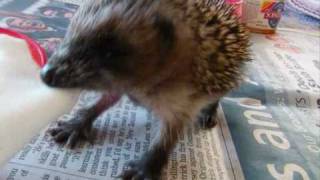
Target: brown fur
x=173 y=57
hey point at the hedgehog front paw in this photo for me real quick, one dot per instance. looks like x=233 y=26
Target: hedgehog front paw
x=136 y=170
x=72 y=132
x=207 y=116
x=207 y=121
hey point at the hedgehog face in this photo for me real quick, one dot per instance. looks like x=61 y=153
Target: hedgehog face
x=108 y=45
x=86 y=61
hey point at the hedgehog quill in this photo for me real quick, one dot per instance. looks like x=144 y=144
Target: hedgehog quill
x=174 y=57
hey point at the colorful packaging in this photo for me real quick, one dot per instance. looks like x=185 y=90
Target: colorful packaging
x=263 y=16
x=237 y=6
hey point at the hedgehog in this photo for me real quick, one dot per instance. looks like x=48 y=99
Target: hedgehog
x=177 y=58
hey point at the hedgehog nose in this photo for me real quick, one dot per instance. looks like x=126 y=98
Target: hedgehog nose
x=47 y=74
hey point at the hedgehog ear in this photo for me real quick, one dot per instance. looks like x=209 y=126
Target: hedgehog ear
x=166 y=31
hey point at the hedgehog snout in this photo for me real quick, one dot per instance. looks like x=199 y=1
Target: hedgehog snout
x=48 y=75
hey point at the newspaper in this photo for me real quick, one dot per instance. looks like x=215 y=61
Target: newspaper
x=122 y=133
x=268 y=127
x=274 y=116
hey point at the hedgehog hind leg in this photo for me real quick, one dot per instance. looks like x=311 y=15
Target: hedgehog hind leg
x=207 y=116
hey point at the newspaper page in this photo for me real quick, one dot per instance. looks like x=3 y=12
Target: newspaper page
x=122 y=133
x=274 y=116
x=296 y=20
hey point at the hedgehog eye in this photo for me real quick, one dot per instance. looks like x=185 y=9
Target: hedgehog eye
x=108 y=55
x=106 y=58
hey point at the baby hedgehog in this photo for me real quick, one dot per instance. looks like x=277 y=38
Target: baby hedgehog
x=174 y=57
